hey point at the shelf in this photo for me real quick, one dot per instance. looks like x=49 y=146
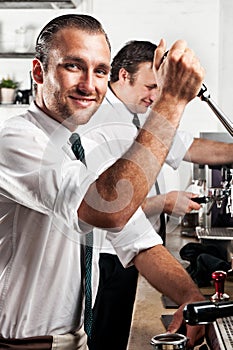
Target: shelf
x=17 y=54
x=39 y=4
x=13 y=105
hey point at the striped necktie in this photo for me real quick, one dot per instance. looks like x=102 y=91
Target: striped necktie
x=162 y=229
x=77 y=147
x=78 y=151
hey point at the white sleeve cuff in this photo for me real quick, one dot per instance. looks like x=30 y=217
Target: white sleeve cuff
x=136 y=236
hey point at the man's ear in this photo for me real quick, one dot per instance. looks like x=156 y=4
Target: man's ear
x=37 y=71
x=123 y=75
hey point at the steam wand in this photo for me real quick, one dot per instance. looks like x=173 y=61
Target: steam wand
x=205 y=96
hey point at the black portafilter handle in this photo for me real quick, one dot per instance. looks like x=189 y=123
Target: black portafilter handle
x=201 y=200
x=205 y=96
x=204 y=312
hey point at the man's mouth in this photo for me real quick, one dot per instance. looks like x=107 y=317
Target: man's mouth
x=82 y=101
x=147 y=103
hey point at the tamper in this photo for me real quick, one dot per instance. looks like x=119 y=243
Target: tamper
x=219 y=280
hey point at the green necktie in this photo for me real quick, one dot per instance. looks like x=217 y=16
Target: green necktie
x=78 y=151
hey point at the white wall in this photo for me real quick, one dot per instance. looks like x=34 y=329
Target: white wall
x=196 y=21
x=226 y=57
x=205 y=24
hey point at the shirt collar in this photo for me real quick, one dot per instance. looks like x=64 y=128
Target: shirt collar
x=121 y=108
x=118 y=105
x=56 y=131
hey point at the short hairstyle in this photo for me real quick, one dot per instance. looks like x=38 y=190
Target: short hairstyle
x=130 y=56
x=45 y=39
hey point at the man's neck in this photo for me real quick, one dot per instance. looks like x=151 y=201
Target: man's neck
x=114 y=87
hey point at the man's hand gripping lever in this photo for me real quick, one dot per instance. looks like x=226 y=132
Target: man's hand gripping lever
x=180 y=75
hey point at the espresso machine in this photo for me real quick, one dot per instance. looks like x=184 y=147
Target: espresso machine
x=216 y=188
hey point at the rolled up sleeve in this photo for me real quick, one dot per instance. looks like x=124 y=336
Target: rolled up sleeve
x=136 y=236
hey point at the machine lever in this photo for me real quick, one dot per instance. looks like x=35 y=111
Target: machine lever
x=205 y=96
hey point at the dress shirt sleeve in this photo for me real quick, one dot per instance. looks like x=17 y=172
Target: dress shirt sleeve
x=36 y=172
x=136 y=236
x=180 y=146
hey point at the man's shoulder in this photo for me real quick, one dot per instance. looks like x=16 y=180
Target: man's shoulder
x=15 y=121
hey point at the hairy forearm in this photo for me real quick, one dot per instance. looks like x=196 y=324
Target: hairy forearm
x=174 y=202
x=167 y=275
x=122 y=188
x=203 y=151
x=154 y=205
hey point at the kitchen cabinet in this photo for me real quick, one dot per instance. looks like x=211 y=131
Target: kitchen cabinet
x=7 y=55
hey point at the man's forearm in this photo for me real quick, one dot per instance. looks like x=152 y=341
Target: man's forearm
x=203 y=151
x=167 y=275
x=172 y=203
x=154 y=205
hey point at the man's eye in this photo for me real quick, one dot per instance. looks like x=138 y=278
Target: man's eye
x=71 y=66
x=152 y=87
x=101 y=72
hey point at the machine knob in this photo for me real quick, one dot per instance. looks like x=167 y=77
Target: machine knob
x=219 y=278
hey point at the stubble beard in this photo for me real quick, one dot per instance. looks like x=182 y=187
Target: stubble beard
x=76 y=117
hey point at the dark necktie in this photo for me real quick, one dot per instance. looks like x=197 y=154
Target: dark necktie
x=78 y=150
x=136 y=121
x=162 y=229
x=77 y=147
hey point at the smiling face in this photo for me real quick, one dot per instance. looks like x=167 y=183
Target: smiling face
x=74 y=85
x=138 y=94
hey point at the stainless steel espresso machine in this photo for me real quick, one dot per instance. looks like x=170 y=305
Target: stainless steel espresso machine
x=216 y=188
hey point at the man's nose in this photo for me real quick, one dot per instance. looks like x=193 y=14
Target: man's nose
x=87 y=83
x=153 y=95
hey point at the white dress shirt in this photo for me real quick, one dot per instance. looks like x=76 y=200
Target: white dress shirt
x=41 y=187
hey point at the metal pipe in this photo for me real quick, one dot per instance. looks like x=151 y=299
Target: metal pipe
x=205 y=96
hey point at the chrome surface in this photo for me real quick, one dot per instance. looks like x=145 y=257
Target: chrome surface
x=169 y=341
x=205 y=96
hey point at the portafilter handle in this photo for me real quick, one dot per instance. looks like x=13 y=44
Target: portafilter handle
x=205 y=96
